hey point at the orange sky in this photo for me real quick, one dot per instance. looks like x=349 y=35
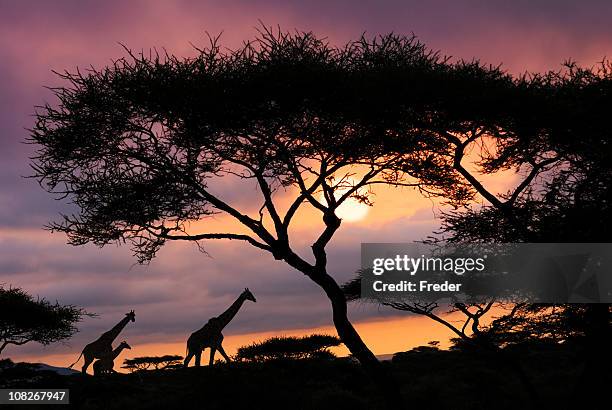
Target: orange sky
x=383 y=337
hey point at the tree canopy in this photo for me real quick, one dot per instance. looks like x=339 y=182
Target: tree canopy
x=157 y=362
x=307 y=347
x=24 y=319
x=136 y=144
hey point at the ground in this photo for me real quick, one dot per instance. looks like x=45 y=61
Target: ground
x=428 y=378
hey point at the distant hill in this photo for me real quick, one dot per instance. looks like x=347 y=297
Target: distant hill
x=383 y=357
x=63 y=371
x=8 y=365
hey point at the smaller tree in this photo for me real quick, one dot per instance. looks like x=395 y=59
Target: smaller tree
x=157 y=362
x=471 y=334
x=293 y=348
x=24 y=319
x=541 y=324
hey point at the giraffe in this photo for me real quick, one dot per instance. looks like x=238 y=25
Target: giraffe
x=106 y=364
x=102 y=346
x=210 y=334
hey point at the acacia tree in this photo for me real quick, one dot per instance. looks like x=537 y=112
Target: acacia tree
x=469 y=330
x=24 y=319
x=553 y=132
x=570 y=204
x=138 y=145
x=557 y=140
x=315 y=346
x=157 y=362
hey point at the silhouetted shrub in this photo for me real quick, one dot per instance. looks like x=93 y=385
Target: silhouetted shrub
x=418 y=350
x=6 y=363
x=307 y=347
x=24 y=319
x=157 y=362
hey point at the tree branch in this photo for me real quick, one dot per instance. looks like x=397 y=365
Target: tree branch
x=281 y=230
x=204 y=236
x=458 y=157
x=429 y=313
x=535 y=170
x=254 y=225
x=14 y=342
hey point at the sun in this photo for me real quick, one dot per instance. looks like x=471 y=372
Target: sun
x=351 y=210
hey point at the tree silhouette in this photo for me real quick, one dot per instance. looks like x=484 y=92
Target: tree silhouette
x=470 y=333
x=157 y=362
x=138 y=145
x=24 y=319
x=307 y=347
x=547 y=323
x=553 y=132
x=571 y=203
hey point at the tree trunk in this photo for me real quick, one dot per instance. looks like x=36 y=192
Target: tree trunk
x=381 y=376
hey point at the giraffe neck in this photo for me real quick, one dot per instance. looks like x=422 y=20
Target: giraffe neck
x=228 y=315
x=117 y=351
x=114 y=332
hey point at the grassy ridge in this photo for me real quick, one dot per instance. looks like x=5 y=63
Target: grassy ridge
x=429 y=379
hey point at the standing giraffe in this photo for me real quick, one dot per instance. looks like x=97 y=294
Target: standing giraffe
x=104 y=344
x=210 y=334
x=107 y=363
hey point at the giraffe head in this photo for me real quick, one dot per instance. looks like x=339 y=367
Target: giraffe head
x=248 y=295
x=124 y=345
x=131 y=316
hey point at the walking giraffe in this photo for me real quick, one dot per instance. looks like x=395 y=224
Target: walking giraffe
x=107 y=363
x=210 y=334
x=103 y=346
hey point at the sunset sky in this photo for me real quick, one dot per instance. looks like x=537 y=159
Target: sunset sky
x=182 y=288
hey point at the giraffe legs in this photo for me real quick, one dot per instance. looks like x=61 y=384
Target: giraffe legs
x=225 y=356
x=212 y=355
x=193 y=349
x=87 y=359
x=187 y=359
x=190 y=353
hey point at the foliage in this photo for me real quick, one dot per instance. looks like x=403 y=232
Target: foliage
x=557 y=141
x=308 y=347
x=570 y=202
x=134 y=145
x=157 y=362
x=24 y=319
x=6 y=363
x=537 y=323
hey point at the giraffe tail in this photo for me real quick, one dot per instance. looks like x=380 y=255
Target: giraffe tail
x=77 y=360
